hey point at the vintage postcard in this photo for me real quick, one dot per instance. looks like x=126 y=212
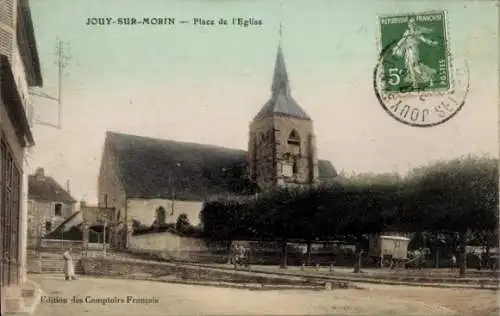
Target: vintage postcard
x=265 y=157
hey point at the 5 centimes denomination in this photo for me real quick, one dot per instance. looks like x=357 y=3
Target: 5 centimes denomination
x=416 y=79
x=418 y=55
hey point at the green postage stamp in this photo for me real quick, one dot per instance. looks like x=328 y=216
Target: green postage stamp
x=414 y=53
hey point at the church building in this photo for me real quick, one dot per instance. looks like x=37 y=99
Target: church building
x=153 y=181
x=281 y=145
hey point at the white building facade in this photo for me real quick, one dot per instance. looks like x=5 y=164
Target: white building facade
x=20 y=69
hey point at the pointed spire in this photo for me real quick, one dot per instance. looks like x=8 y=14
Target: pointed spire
x=280 y=78
x=281 y=101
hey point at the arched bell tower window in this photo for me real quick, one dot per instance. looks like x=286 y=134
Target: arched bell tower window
x=161 y=216
x=293 y=143
x=293 y=138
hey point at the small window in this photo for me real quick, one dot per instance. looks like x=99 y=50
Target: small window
x=58 y=209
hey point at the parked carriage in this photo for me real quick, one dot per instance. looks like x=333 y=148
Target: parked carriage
x=241 y=255
x=389 y=251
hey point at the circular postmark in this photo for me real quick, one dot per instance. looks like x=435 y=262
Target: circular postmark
x=417 y=103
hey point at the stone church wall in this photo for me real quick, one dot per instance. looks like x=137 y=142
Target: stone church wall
x=284 y=126
x=110 y=190
x=144 y=210
x=166 y=245
x=261 y=151
x=268 y=149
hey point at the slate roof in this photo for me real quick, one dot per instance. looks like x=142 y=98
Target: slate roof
x=283 y=104
x=150 y=168
x=44 y=188
x=281 y=101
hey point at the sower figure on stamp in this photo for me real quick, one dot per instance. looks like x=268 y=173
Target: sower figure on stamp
x=69 y=269
x=407 y=47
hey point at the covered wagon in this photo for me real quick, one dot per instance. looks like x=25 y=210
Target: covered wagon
x=389 y=251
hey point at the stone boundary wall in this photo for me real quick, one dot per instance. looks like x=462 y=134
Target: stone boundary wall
x=130 y=268
x=55 y=243
x=168 y=246
x=181 y=256
x=62 y=244
x=166 y=241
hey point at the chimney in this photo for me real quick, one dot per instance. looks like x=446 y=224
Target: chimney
x=39 y=173
x=68 y=187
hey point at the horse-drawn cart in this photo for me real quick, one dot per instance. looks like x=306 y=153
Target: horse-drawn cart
x=241 y=255
x=389 y=251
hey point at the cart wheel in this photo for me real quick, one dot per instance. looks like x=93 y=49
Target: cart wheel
x=386 y=263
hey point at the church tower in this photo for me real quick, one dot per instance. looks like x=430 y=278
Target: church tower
x=282 y=145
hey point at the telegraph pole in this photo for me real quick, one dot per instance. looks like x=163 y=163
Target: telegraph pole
x=62 y=61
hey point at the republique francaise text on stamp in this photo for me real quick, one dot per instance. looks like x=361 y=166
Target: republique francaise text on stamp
x=415 y=80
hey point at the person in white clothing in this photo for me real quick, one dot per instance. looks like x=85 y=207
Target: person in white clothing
x=69 y=268
x=453 y=262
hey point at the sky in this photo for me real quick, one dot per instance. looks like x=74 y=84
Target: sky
x=204 y=84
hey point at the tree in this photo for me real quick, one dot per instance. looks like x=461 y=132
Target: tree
x=450 y=202
x=138 y=226
x=183 y=225
x=313 y=217
x=367 y=204
x=274 y=212
x=462 y=197
x=224 y=221
x=216 y=226
x=364 y=218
